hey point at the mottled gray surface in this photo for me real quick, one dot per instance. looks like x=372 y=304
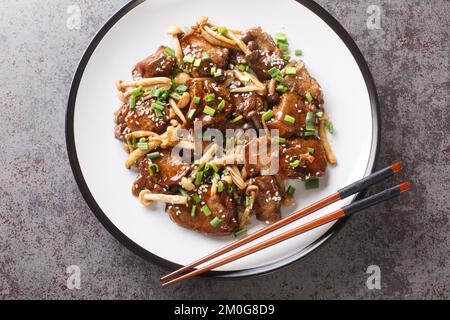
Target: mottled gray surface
x=46 y=226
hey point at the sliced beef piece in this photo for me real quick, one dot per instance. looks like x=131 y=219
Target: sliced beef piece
x=221 y=206
x=157 y=64
x=264 y=52
x=311 y=165
x=268 y=199
x=302 y=83
x=171 y=169
x=202 y=89
x=258 y=160
x=194 y=45
x=143 y=182
x=248 y=104
x=119 y=119
x=291 y=105
x=143 y=118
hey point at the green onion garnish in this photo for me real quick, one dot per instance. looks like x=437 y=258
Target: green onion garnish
x=220 y=186
x=240 y=233
x=281 y=37
x=191 y=113
x=221 y=105
x=319 y=114
x=289 y=119
x=157 y=106
x=218 y=73
x=242 y=67
x=310 y=150
x=248 y=202
x=291 y=70
x=206 y=210
x=196 y=100
x=169 y=51
x=282 y=89
x=137 y=92
x=153 y=155
x=142 y=146
x=330 y=127
x=237 y=119
x=196 y=197
x=133 y=142
x=181 y=89
x=213 y=70
x=175 y=97
x=193 y=210
x=209 y=111
x=132 y=102
x=294 y=164
x=164 y=95
x=206 y=56
x=281 y=140
x=290 y=191
x=310 y=121
x=158 y=113
x=198 y=178
x=152 y=169
x=215 y=222
x=268 y=115
x=298 y=52
x=230 y=191
x=309 y=97
x=283 y=47
x=223 y=30
x=197 y=62
x=274 y=72
x=156 y=93
x=311 y=184
x=188 y=59
x=214 y=167
x=309 y=133
x=210 y=97
x=286 y=57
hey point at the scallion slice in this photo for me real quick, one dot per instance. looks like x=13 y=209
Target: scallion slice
x=268 y=115
x=311 y=150
x=153 y=155
x=198 y=178
x=330 y=127
x=188 y=59
x=209 y=111
x=215 y=222
x=281 y=140
x=311 y=184
x=181 y=89
x=290 y=191
x=221 y=105
x=282 y=89
x=152 y=169
x=157 y=106
x=206 y=56
x=237 y=119
x=137 y=92
x=169 y=51
x=218 y=73
x=220 y=186
x=191 y=113
x=294 y=164
x=283 y=47
x=142 y=146
x=298 y=52
x=210 y=97
x=193 y=210
x=155 y=93
x=196 y=100
x=281 y=37
x=132 y=102
x=309 y=97
x=197 y=62
x=223 y=30
x=289 y=119
x=206 y=210
x=291 y=70
x=309 y=134
x=196 y=197
x=240 y=233
x=310 y=121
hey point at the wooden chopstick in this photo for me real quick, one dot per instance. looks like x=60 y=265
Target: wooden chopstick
x=345 y=211
x=341 y=194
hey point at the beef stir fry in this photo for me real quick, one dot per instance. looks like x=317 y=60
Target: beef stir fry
x=214 y=79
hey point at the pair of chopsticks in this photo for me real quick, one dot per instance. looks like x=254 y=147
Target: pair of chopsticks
x=345 y=211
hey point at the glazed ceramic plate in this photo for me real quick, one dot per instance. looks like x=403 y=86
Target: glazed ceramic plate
x=97 y=158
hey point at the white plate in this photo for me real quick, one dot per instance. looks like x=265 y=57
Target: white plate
x=132 y=34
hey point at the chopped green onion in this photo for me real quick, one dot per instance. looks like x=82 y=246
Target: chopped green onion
x=215 y=222
x=184 y=193
x=309 y=133
x=319 y=114
x=155 y=93
x=175 y=97
x=281 y=37
x=283 y=47
x=132 y=102
x=218 y=73
x=281 y=140
x=196 y=197
x=157 y=106
x=169 y=51
x=330 y=127
x=274 y=72
x=291 y=70
x=152 y=169
x=164 y=95
x=142 y=145
x=309 y=97
x=209 y=111
x=153 y=155
x=310 y=121
x=188 y=59
x=282 y=89
x=286 y=57
x=240 y=233
x=196 y=100
x=214 y=28
x=242 y=67
x=310 y=150
x=289 y=119
x=237 y=119
x=294 y=164
x=214 y=167
x=311 y=184
x=198 y=178
x=213 y=70
x=193 y=210
x=220 y=186
x=223 y=30
x=197 y=62
x=137 y=92
x=230 y=191
x=298 y=52
x=248 y=202
x=133 y=142
x=181 y=89
x=221 y=105
x=206 y=56
x=290 y=191
x=268 y=115
x=191 y=113
x=210 y=97
x=206 y=210
x=158 y=113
